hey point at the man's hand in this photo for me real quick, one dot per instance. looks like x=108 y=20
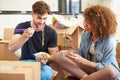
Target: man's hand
x=42 y=60
x=28 y=32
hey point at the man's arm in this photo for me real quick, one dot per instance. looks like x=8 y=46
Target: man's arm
x=52 y=52
x=18 y=40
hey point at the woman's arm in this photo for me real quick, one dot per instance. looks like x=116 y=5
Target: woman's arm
x=77 y=58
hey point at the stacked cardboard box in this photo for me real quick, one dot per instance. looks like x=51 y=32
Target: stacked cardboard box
x=4 y=52
x=118 y=53
x=15 y=70
x=8 y=33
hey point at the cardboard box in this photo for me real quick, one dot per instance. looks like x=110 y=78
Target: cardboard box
x=1 y=51
x=118 y=51
x=74 y=32
x=22 y=74
x=20 y=70
x=5 y=54
x=8 y=33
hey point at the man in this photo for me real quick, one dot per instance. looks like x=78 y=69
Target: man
x=35 y=36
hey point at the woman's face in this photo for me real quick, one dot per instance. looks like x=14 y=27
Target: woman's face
x=88 y=27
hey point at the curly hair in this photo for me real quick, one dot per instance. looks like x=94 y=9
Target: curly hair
x=40 y=7
x=102 y=19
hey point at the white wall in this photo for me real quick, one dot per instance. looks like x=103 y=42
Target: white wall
x=19 y=5
x=86 y=3
x=25 y=5
x=16 y=5
x=116 y=8
x=10 y=21
x=13 y=20
x=107 y=3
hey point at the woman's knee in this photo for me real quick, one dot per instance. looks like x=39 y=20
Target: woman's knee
x=112 y=71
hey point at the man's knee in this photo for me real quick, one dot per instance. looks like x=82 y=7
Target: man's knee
x=46 y=72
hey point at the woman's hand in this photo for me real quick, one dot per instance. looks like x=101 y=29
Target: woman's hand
x=69 y=38
x=70 y=41
x=75 y=57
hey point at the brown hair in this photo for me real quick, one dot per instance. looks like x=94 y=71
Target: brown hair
x=102 y=19
x=40 y=7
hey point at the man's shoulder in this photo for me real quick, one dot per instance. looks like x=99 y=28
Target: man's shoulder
x=49 y=28
x=24 y=24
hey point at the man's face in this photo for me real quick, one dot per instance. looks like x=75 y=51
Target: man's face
x=39 y=20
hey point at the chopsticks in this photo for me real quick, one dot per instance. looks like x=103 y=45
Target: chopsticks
x=65 y=42
x=21 y=30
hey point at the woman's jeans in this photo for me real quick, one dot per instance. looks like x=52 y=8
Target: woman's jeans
x=46 y=71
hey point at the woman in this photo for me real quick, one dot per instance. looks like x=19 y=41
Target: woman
x=97 y=52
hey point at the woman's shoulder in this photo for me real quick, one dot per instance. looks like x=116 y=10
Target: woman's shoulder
x=110 y=39
x=86 y=34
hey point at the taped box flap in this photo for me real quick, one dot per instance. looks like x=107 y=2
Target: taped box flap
x=68 y=30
